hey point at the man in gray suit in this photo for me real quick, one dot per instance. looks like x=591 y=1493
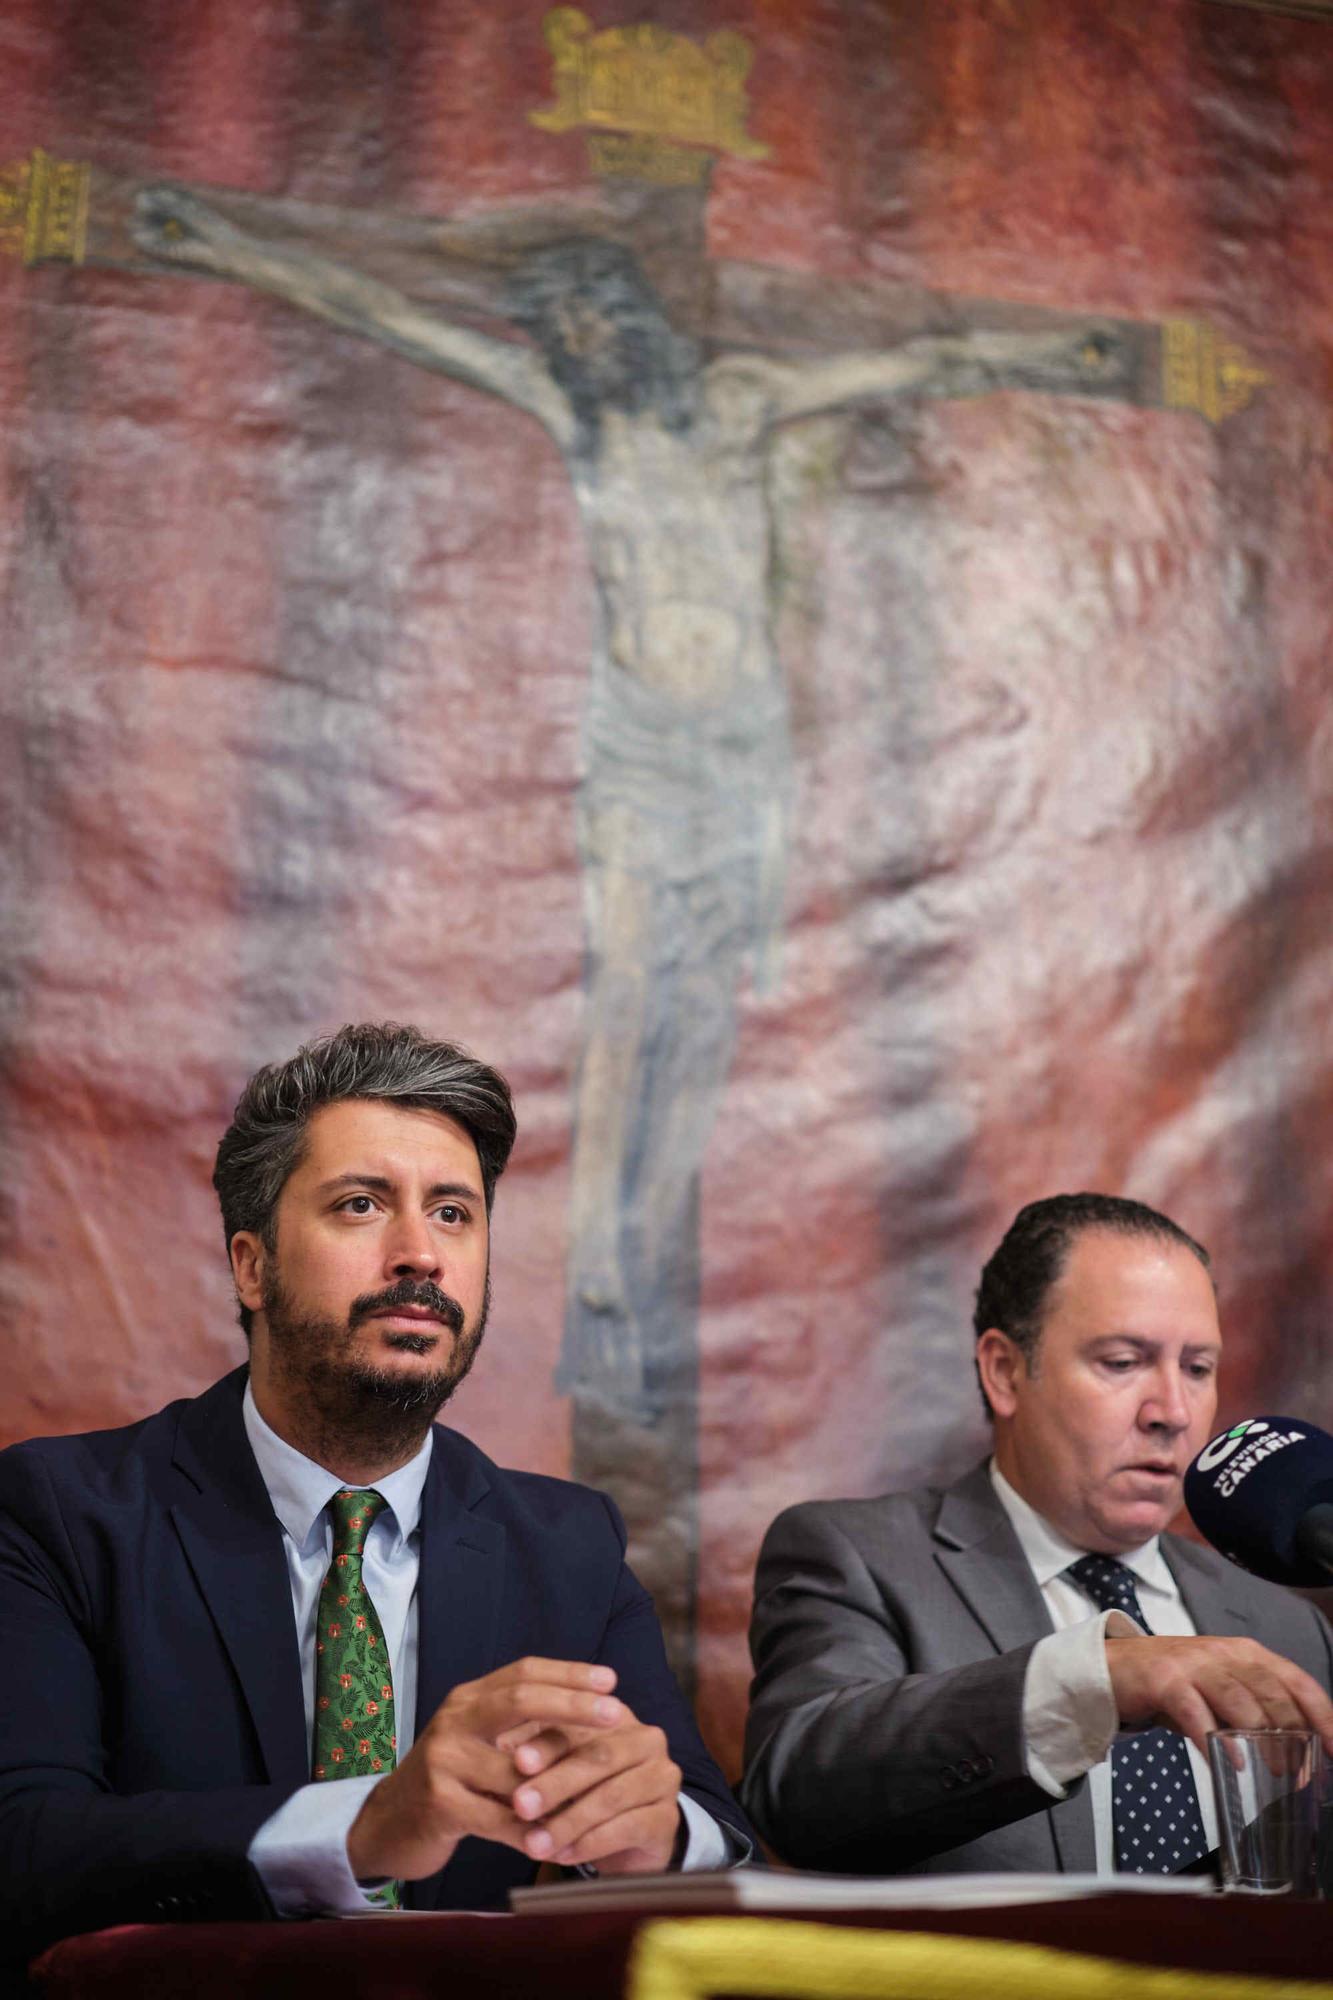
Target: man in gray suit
x=935 y=1691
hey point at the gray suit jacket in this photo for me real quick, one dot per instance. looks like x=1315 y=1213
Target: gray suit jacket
x=890 y=1640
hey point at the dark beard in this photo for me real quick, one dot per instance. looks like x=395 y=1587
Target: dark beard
x=358 y=1409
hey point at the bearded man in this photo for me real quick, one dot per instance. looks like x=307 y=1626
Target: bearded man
x=290 y=1648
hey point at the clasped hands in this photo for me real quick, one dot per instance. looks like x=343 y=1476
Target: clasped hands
x=540 y=1756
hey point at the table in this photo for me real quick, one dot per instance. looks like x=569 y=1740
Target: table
x=517 y=1957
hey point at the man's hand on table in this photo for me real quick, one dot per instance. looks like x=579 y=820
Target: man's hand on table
x=1198 y=1684
x=539 y=1756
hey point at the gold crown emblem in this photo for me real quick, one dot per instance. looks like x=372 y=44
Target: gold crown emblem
x=654 y=103
x=1202 y=371
x=44 y=209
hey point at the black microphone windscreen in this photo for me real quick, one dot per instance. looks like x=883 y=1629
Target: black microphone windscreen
x=1250 y=1489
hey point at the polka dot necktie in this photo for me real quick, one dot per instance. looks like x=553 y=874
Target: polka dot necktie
x=355 y=1733
x=1154 y=1806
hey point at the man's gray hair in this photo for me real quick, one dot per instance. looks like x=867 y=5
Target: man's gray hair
x=265 y=1142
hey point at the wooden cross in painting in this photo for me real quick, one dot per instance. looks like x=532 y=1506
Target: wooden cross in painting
x=663 y=380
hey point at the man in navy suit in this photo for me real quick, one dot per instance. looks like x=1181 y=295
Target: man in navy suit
x=160 y=1586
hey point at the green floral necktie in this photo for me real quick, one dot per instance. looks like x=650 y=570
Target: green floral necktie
x=355 y=1732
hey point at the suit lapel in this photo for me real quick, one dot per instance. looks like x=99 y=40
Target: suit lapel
x=1216 y=1601
x=979 y=1552
x=460 y=1579
x=233 y=1543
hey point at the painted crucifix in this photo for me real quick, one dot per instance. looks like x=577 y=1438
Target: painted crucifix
x=665 y=417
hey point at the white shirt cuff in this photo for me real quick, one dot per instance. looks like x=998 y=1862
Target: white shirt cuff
x=1069 y=1711
x=706 y=1844
x=300 y=1854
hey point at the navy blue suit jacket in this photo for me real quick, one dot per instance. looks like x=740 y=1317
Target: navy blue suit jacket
x=153 y=1715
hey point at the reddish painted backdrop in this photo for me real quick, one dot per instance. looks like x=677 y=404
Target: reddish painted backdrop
x=296 y=657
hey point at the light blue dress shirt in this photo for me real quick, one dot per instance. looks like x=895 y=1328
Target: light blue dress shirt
x=300 y=1854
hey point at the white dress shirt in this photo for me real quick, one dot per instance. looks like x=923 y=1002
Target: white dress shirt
x=1069 y=1711
x=300 y=1854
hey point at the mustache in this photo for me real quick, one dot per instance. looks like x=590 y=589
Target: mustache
x=408 y=1292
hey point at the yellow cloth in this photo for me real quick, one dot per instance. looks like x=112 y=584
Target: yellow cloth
x=694 y=1960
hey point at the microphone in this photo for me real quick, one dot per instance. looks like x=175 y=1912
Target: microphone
x=1262 y=1493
